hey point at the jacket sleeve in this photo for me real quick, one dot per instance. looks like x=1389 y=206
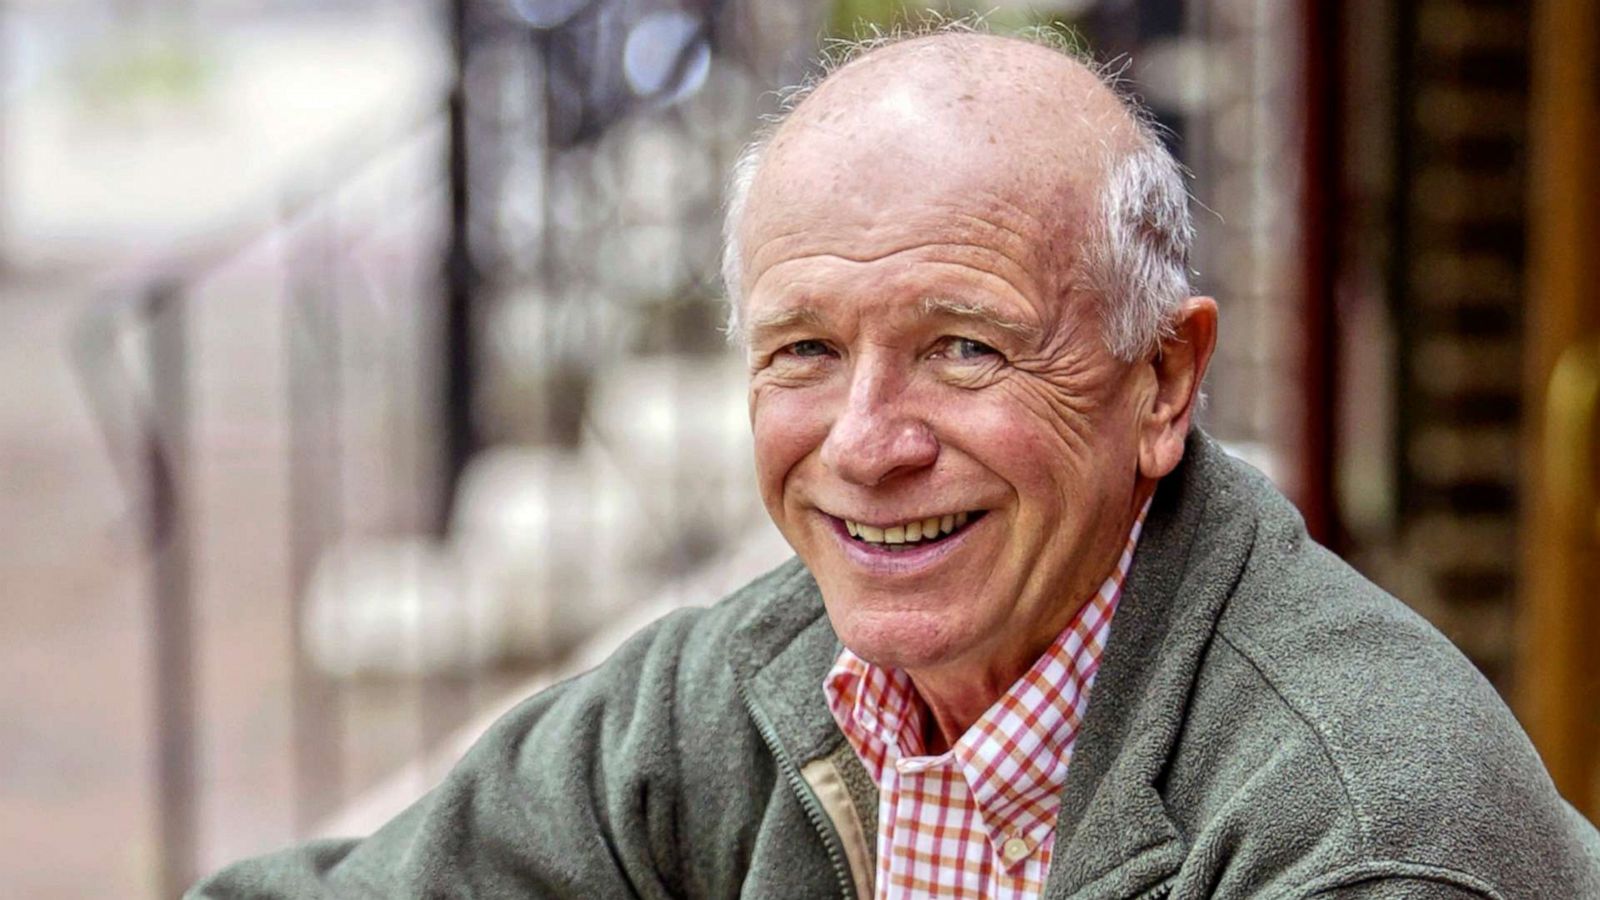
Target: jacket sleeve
x=573 y=794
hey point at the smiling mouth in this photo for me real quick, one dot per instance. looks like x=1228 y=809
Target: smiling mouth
x=913 y=533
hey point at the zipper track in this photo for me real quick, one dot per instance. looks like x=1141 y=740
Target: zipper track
x=808 y=799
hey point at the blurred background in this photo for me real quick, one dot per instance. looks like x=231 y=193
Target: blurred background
x=362 y=373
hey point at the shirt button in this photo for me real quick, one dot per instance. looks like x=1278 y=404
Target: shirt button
x=1014 y=849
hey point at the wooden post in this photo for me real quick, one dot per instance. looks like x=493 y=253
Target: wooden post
x=1558 y=672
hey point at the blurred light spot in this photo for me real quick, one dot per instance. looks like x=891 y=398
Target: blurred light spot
x=547 y=13
x=666 y=56
x=1184 y=74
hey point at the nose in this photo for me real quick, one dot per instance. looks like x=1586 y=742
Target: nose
x=876 y=437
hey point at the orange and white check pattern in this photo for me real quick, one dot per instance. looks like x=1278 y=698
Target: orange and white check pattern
x=980 y=819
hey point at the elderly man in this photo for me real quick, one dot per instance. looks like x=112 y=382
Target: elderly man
x=1042 y=638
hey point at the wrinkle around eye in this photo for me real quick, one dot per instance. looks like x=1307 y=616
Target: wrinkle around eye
x=1067 y=390
x=783 y=368
x=973 y=374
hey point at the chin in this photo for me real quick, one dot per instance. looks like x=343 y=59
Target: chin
x=900 y=639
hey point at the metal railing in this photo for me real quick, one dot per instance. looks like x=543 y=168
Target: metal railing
x=138 y=355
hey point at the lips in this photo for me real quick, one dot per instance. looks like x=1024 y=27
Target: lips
x=923 y=558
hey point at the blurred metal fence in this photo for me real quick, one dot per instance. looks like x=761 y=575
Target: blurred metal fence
x=246 y=360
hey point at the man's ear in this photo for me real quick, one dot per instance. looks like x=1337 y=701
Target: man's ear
x=1179 y=367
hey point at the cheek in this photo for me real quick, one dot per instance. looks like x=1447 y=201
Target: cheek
x=1042 y=456
x=788 y=426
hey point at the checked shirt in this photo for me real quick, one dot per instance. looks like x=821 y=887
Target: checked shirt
x=978 y=820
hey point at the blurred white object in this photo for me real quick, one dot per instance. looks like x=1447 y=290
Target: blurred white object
x=397 y=606
x=755 y=552
x=545 y=546
x=561 y=540
x=1259 y=455
x=678 y=428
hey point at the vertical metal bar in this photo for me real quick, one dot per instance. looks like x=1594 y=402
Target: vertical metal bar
x=461 y=281
x=165 y=453
x=444 y=697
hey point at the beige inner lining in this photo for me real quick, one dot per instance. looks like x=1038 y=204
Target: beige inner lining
x=825 y=781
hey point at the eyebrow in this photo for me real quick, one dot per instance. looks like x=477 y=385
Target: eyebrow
x=977 y=312
x=784 y=319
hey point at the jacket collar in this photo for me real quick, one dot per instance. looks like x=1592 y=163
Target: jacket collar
x=1112 y=826
x=780 y=654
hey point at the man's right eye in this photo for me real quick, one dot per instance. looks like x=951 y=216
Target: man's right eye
x=809 y=348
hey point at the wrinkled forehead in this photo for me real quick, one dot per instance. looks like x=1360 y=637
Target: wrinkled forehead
x=988 y=133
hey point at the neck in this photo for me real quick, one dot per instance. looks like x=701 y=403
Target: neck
x=953 y=704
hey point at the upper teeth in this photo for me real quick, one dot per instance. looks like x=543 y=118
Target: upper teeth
x=906 y=532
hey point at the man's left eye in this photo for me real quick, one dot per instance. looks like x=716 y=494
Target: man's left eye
x=965 y=349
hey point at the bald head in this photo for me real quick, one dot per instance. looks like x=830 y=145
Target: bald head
x=953 y=123
x=1001 y=86
x=1003 y=100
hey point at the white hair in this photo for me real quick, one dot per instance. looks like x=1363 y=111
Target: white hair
x=1136 y=258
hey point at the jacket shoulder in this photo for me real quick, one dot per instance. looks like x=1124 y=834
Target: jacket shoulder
x=1387 y=737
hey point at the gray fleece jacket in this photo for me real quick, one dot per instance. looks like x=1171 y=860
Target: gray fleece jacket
x=1265 y=723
